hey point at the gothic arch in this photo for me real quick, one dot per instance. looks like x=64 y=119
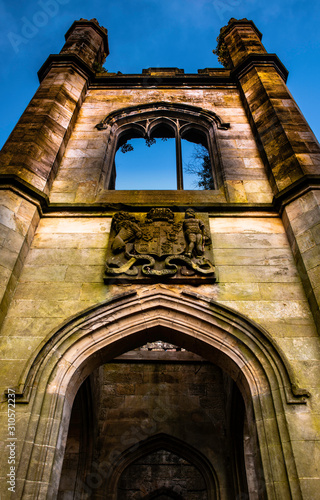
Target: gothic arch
x=228 y=339
x=178 y=117
x=174 y=445
x=164 y=121
x=157 y=108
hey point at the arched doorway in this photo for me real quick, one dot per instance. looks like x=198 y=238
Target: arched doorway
x=154 y=469
x=216 y=333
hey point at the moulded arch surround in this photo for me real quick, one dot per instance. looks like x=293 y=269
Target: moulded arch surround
x=98 y=317
x=180 y=448
x=153 y=109
x=145 y=114
x=105 y=331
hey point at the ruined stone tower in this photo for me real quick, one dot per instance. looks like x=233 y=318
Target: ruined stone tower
x=160 y=343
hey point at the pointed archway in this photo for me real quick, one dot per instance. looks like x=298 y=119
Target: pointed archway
x=242 y=349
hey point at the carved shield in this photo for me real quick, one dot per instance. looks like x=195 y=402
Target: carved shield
x=161 y=238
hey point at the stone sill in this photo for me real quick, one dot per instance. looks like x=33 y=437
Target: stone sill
x=161 y=198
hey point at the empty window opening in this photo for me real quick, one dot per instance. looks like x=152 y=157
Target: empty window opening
x=146 y=163
x=163 y=160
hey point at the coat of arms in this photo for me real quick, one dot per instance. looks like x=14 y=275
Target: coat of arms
x=159 y=245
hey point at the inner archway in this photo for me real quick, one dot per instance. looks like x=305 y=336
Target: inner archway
x=161 y=474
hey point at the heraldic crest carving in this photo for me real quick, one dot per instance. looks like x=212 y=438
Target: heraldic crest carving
x=160 y=245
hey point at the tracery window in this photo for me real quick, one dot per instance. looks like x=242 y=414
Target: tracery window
x=178 y=126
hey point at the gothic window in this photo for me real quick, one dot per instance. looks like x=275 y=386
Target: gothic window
x=178 y=144
x=138 y=158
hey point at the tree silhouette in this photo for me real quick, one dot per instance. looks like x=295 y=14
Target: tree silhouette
x=200 y=165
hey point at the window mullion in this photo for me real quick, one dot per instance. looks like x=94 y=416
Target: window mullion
x=179 y=159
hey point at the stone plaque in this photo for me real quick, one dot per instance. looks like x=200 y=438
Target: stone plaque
x=160 y=246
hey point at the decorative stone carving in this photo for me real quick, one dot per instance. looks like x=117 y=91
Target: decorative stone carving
x=160 y=245
x=194 y=231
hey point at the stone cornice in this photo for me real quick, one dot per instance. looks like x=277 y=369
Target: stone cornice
x=41 y=200
x=254 y=60
x=25 y=190
x=295 y=190
x=206 y=77
x=221 y=78
x=67 y=60
x=98 y=209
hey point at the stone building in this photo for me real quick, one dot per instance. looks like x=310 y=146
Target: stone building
x=160 y=343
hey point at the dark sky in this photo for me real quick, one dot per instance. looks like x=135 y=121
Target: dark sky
x=144 y=33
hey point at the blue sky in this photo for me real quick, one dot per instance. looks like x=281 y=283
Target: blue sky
x=144 y=33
